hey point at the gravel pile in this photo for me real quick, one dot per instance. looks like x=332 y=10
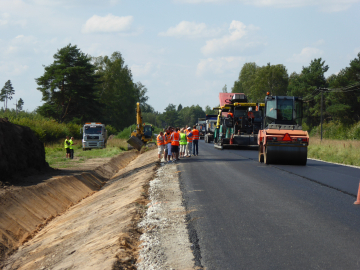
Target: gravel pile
x=165 y=241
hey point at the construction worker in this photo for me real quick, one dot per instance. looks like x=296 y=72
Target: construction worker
x=160 y=142
x=175 y=138
x=71 y=147
x=195 y=133
x=66 y=146
x=168 y=142
x=165 y=145
x=183 y=142
x=189 y=138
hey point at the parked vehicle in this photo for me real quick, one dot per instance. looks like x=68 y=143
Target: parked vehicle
x=94 y=136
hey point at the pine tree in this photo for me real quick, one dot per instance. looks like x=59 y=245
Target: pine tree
x=6 y=93
x=19 y=105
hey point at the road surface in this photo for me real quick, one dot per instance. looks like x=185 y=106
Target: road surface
x=247 y=215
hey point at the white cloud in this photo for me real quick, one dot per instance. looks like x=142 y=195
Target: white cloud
x=319 y=42
x=141 y=70
x=306 y=55
x=109 y=23
x=190 y=29
x=12 y=68
x=324 y=5
x=240 y=37
x=219 y=65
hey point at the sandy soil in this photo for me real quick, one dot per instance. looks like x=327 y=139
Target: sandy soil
x=97 y=233
x=136 y=221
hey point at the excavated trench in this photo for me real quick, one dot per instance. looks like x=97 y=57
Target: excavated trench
x=25 y=211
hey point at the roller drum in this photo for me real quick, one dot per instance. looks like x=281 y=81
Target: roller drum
x=285 y=154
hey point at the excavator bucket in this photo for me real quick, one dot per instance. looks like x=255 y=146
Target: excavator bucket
x=135 y=142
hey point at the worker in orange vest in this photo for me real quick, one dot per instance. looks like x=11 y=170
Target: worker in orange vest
x=189 y=137
x=161 y=143
x=175 y=138
x=195 y=133
x=168 y=142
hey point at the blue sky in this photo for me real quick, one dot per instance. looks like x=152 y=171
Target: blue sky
x=183 y=51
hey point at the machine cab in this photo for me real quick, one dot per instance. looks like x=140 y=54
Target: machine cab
x=283 y=111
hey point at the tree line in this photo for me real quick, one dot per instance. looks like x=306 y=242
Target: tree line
x=79 y=88
x=339 y=104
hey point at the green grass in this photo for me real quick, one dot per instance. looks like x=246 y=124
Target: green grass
x=55 y=153
x=338 y=151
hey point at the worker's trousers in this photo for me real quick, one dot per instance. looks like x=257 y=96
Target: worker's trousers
x=188 y=149
x=195 y=147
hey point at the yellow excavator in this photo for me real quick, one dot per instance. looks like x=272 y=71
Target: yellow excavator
x=143 y=133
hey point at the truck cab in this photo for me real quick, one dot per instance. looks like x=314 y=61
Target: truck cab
x=94 y=136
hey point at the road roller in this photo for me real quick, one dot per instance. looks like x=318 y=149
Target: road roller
x=282 y=140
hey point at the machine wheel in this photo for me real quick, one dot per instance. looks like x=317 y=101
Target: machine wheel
x=266 y=157
x=261 y=155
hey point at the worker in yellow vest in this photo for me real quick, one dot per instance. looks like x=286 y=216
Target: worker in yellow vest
x=66 y=146
x=183 y=143
x=195 y=133
x=160 y=142
x=71 y=146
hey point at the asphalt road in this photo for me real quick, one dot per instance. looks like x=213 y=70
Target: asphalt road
x=247 y=215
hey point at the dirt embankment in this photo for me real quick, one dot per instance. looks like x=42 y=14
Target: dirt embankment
x=21 y=152
x=100 y=232
x=26 y=210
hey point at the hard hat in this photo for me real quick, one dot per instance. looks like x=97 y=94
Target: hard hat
x=250 y=109
x=189 y=128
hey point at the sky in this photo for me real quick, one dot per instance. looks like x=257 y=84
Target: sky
x=183 y=51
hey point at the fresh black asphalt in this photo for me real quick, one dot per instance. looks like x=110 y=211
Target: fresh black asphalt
x=247 y=215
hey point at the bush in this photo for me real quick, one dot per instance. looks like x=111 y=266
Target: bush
x=46 y=129
x=111 y=130
x=126 y=133
x=337 y=131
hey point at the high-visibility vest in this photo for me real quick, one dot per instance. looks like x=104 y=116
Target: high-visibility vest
x=175 y=137
x=71 y=144
x=183 y=140
x=189 y=137
x=195 y=134
x=160 y=140
x=66 y=144
x=167 y=138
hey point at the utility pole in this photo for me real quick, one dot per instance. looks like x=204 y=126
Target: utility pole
x=321 y=129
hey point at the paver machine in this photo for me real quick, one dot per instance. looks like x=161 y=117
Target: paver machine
x=282 y=140
x=238 y=122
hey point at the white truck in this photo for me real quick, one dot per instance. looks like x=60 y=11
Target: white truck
x=94 y=136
